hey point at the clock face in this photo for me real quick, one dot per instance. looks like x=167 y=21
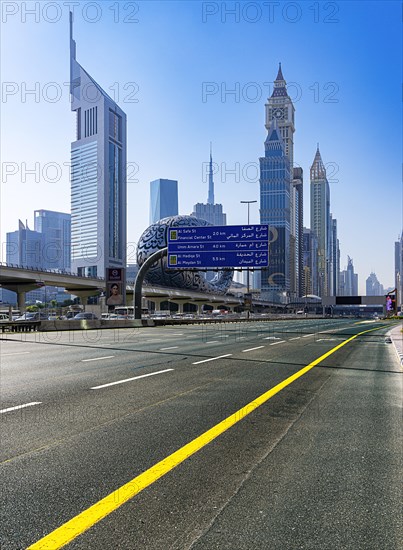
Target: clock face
x=278 y=113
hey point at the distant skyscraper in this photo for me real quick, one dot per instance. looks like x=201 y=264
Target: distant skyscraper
x=210 y=212
x=163 y=199
x=348 y=280
x=47 y=247
x=399 y=270
x=281 y=108
x=24 y=247
x=298 y=200
x=334 y=263
x=320 y=220
x=275 y=191
x=98 y=175
x=310 y=262
x=56 y=232
x=373 y=286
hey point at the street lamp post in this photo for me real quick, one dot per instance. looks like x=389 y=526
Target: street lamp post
x=247 y=271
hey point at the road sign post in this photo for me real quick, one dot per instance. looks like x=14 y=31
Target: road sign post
x=212 y=247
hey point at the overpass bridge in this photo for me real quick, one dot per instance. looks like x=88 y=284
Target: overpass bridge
x=21 y=280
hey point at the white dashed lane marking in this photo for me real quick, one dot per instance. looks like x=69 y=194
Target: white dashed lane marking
x=252 y=349
x=212 y=359
x=97 y=358
x=20 y=407
x=130 y=379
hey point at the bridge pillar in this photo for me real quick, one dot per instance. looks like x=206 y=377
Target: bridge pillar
x=198 y=307
x=157 y=302
x=180 y=303
x=21 y=289
x=21 y=300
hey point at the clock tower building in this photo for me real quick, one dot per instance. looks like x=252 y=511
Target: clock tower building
x=281 y=108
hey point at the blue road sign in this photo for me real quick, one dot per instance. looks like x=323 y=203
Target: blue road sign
x=209 y=247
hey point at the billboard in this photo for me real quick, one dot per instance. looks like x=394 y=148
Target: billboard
x=115 y=287
x=391 y=303
x=210 y=247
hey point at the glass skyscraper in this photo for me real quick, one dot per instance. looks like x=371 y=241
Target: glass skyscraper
x=310 y=282
x=25 y=247
x=298 y=200
x=56 y=233
x=163 y=199
x=320 y=221
x=275 y=192
x=98 y=175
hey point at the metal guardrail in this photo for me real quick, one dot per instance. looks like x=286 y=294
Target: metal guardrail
x=20 y=326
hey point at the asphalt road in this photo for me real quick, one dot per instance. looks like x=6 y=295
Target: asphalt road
x=315 y=466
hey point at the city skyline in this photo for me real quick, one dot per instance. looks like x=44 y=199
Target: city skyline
x=194 y=107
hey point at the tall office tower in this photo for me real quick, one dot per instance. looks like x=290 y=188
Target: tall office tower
x=334 y=262
x=281 y=108
x=56 y=231
x=348 y=280
x=298 y=199
x=163 y=199
x=24 y=247
x=373 y=286
x=210 y=211
x=399 y=270
x=320 y=220
x=310 y=263
x=98 y=175
x=275 y=191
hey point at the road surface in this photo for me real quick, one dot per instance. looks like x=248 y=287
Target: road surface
x=256 y=458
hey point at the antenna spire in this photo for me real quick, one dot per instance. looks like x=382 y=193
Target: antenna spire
x=210 y=199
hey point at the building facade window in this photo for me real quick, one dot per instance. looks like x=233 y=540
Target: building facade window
x=115 y=184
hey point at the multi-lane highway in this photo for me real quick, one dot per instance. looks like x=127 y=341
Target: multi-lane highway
x=240 y=436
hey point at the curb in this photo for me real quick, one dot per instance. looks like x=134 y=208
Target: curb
x=398 y=351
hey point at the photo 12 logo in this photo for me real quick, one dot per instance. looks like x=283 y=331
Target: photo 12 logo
x=254 y=92
x=249 y=172
x=52 y=12
x=270 y=12
x=54 y=172
x=53 y=92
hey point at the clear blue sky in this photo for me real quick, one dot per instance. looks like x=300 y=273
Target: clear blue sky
x=343 y=58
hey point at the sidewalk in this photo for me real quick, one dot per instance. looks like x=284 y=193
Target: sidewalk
x=397 y=339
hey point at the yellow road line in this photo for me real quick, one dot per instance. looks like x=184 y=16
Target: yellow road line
x=89 y=517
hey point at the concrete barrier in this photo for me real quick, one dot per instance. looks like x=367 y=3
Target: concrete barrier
x=93 y=324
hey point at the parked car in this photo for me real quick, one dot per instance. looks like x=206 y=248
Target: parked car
x=111 y=316
x=85 y=315
x=33 y=316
